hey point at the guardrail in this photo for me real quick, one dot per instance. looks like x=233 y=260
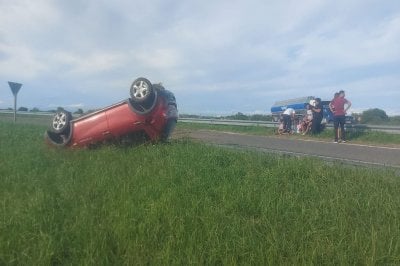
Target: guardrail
x=389 y=129
x=382 y=128
x=27 y=113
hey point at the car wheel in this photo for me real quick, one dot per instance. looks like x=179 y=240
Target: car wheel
x=141 y=90
x=168 y=129
x=60 y=122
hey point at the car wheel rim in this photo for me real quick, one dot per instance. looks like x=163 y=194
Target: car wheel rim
x=59 y=121
x=140 y=89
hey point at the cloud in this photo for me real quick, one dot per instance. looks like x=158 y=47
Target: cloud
x=96 y=62
x=20 y=62
x=228 y=55
x=351 y=47
x=26 y=17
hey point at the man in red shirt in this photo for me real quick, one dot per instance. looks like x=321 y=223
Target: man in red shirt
x=338 y=109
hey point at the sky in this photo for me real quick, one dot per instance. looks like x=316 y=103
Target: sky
x=218 y=57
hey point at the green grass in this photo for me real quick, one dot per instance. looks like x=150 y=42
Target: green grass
x=33 y=119
x=254 y=130
x=188 y=203
x=353 y=135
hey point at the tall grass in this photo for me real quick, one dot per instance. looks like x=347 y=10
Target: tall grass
x=188 y=203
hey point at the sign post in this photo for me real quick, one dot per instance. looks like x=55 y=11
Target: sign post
x=15 y=87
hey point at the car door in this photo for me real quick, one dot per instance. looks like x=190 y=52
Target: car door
x=90 y=129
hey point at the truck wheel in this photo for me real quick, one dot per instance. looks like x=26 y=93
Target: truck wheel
x=60 y=122
x=141 y=90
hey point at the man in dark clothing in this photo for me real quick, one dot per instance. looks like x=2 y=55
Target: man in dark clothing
x=338 y=109
x=317 y=116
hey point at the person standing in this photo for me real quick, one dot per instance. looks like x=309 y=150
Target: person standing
x=317 y=116
x=288 y=116
x=339 y=107
x=335 y=96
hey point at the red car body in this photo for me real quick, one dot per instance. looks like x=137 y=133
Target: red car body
x=124 y=120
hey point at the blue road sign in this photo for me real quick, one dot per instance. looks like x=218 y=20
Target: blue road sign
x=14 y=87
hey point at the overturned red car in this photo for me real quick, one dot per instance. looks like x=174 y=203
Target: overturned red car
x=149 y=114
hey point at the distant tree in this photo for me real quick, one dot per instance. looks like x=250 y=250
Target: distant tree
x=260 y=117
x=10 y=109
x=91 y=111
x=35 y=110
x=238 y=116
x=374 y=116
x=189 y=116
x=395 y=120
x=79 y=111
x=23 y=109
x=60 y=109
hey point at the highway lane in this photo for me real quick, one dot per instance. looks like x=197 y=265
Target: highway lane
x=345 y=152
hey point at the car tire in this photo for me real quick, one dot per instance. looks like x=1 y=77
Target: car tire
x=168 y=129
x=60 y=122
x=141 y=90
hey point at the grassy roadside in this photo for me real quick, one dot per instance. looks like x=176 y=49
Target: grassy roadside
x=32 y=119
x=188 y=203
x=363 y=137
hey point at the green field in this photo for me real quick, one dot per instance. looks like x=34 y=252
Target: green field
x=188 y=203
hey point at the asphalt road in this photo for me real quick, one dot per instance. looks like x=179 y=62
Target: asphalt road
x=344 y=152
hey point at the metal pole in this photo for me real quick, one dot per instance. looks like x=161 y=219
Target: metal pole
x=15 y=108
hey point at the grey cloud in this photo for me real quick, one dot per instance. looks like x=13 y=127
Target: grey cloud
x=228 y=55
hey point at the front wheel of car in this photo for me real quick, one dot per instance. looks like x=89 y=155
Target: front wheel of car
x=168 y=129
x=141 y=90
x=60 y=122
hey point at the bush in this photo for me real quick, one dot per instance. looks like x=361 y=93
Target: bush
x=395 y=120
x=374 y=116
x=238 y=116
x=79 y=111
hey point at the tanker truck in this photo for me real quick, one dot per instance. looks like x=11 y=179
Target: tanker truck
x=299 y=105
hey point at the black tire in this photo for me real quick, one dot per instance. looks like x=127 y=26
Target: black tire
x=60 y=122
x=168 y=129
x=146 y=107
x=141 y=90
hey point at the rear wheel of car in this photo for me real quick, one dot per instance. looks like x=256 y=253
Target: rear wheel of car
x=141 y=90
x=60 y=122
